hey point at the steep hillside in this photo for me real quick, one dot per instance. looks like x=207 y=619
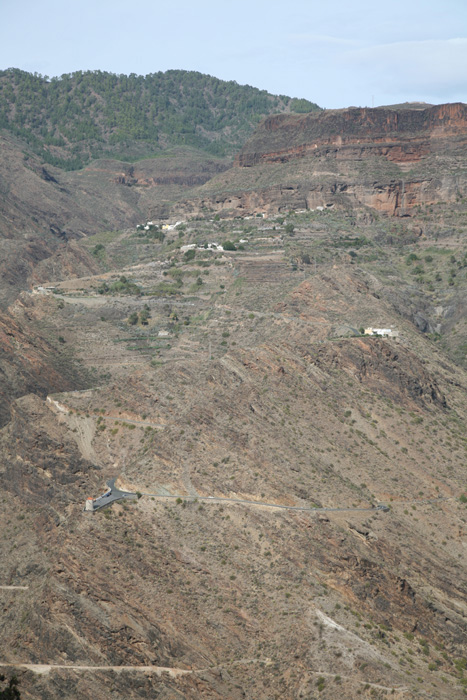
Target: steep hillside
x=235 y=393
x=33 y=357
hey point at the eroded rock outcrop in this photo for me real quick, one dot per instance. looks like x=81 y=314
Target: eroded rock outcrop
x=401 y=136
x=388 y=160
x=390 y=370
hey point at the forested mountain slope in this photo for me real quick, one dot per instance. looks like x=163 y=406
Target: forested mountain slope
x=84 y=115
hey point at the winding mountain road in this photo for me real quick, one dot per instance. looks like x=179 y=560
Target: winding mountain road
x=45 y=669
x=262 y=504
x=115 y=494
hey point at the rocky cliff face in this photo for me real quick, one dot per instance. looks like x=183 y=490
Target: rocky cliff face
x=389 y=160
x=179 y=173
x=393 y=198
x=403 y=137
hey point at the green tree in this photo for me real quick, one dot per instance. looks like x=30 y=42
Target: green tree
x=10 y=691
x=124 y=286
x=98 y=249
x=302 y=106
x=144 y=316
x=410 y=258
x=228 y=245
x=189 y=255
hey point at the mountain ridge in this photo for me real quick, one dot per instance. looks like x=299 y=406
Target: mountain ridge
x=87 y=114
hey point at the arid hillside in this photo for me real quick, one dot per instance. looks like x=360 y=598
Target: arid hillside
x=299 y=525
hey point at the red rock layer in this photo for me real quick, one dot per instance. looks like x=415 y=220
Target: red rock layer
x=400 y=136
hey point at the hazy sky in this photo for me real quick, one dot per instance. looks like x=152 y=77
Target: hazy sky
x=337 y=53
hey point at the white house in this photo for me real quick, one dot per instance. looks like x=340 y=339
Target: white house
x=388 y=332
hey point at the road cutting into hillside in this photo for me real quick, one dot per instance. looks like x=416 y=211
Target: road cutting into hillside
x=115 y=494
x=223 y=499
x=14 y=588
x=240 y=501
x=45 y=669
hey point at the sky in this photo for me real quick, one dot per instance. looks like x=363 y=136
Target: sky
x=336 y=54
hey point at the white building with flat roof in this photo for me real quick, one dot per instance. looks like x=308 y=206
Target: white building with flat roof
x=385 y=332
